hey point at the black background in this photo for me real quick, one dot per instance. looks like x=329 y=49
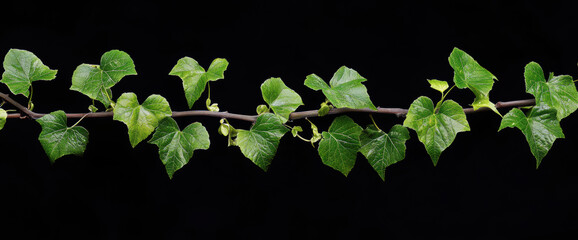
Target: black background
x=484 y=187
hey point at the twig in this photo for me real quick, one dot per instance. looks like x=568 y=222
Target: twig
x=399 y=112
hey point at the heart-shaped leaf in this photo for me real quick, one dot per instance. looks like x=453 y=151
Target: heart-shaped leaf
x=282 y=99
x=441 y=86
x=141 y=120
x=559 y=92
x=468 y=73
x=58 y=139
x=346 y=91
x=540 y=126
x=175 y=146
x=436 y=129
x=259 y=144
x=383 y=149
x=21 y=68
x=339 y=146
x=95 y=81
x=195 y=78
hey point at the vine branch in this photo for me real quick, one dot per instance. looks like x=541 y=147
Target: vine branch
x=399 y=112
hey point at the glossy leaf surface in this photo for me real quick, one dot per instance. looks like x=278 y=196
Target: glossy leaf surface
x=195 y=78
x=95 y=81
x=58 y=139
x=383 y=149
x=540 y=126
x=141 y=120
x=346 y=90
x=282 y=99
x=175 y=146
x=259 y=144
x=559 y=92
x=339 y=145
x=436 y=130
x=21 y=68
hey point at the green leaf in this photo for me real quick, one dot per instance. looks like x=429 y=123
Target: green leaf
x=175 y=146
x=21 y=68
x=282 y=99
x=259 y=144
x=540 y=126
x=195 y=78
x=559 y=92
x=339 y=146
x=3 y=116
x=95 y=81
x=217 y=69
x=468 y=73
x=346 y=91
x=441 y=86
x=436 y=130
x=58 y=139
x=296 y=130
x=141 y=120
x=383 y=149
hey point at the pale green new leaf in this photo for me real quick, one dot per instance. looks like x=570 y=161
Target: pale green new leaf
x=436 y=130
x=468 y=73
x=3 y=116
x=141 y=120
x=281 y=99
x=217 y=69
x=383 y=149
x=346 y=91
x=21 y=68
x=259 y=144
x=340 y=144
x=58 y=139
x=540 y=126
x=175 y=146
x=95 y=81
x=559 y=92
x=195 y=78
x=441 y=86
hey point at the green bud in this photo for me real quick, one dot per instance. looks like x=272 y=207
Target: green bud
x=295 y=130
x=262 y=109
x=92 y=108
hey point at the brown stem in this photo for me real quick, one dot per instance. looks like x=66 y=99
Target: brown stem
x=399 y=112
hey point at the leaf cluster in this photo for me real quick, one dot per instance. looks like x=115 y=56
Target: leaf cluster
x=436 y=124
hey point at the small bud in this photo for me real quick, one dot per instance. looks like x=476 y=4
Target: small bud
x=262 y=109
x=295 y=130
x=92 y=108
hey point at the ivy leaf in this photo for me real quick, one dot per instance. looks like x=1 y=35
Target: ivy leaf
x=383 y=149
x=540 y=126
x=217 y=69
x=95 y=81
x=559 y=92
x=3 y=116
x=282 y=100
x=441 y=86
x=141 y=120
x=195 y=78
x=468 y=73
x=58 y=139
x=259 y=144
x=175 y=146
x=339 y=146
x=346 y=91
x=21 y=68
x=436 y=129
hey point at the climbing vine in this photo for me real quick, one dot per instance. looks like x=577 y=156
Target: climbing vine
x=436 y=122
